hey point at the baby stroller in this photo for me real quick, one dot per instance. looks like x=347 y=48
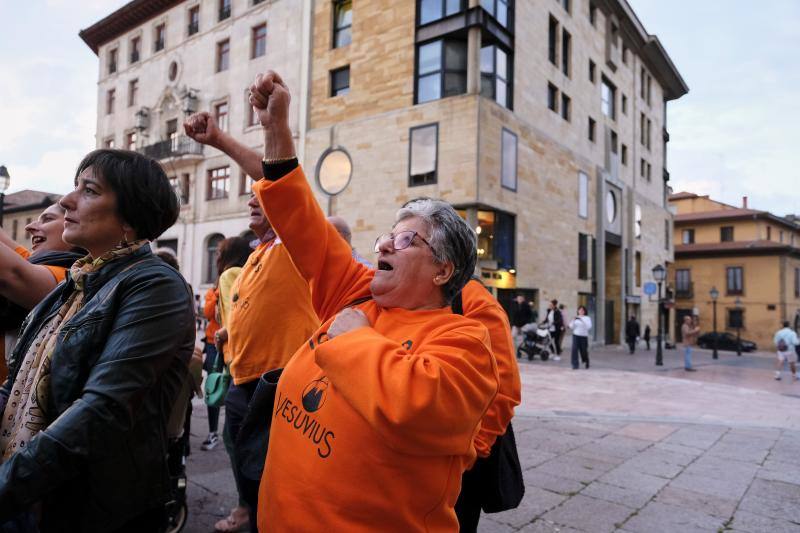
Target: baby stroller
x=536 y=340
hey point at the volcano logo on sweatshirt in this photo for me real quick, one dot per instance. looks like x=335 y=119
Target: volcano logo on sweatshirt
x=314 y=394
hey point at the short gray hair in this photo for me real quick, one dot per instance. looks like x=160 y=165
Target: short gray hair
x=451 y=239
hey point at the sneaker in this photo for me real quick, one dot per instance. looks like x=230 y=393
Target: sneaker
x=210 y=443
x=690 y=369
x=556 y=358
x=777 y=376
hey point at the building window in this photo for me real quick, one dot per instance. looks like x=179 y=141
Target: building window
x=340 y=81
x=194 y=20
x=592 y=129
x=495 y=72
x=172 y=133
x=667 y=233
x=624 y=54
x=181 y=187
x=496 y=237
x=430 y=10
x=136 y=45
x=552 y=41
x=109 y=143
x=797 y=282
x=735 y=319
x=112 y=61
x=245 y=184
x=637 y=222
x=608 y=94
x=592 y=71
x=223 y=55
x=258 y=38
x=161 y=37
x=593 y=15
x=637 y=269
x=499 y=9
x=583 y=256
x=769 y=233
x=566 y=52
x=552 y=97
x=642 y=129
x=624 y=155
x=221 y=115
x=130 y=141
x=614 y=139
x=219 y=183
x=224 y=9
x=649 y=172
x=566 y=4
x=687 y=236
x=566 y=107
x=508 y=160
x=212 y=246
x=441 y=70
x=643 y=168
x=111 y=96
x=133 y=89
x=252 y=114
x=683 y=283
x=726 y=234
x=583 y=195
x=423 y=154
x=624 y=104
x=342 y=23
x=735 y=280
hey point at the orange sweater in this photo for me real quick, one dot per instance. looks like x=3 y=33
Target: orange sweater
x=271 y=313
x=480 y=305
x=371 y=430
x=59 y=273
x=210 y=312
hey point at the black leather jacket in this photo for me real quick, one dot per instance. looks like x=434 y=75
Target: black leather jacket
x=116 y=370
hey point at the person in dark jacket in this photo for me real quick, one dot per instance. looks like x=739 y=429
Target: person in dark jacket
x=632 y=332
x=646 y=336
x=107 y=352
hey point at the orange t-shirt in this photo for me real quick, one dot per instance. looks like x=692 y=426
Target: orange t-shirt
x=271 y=313
x=210 y=312
x=59 y=273
x=480 y=305
x=371 y=430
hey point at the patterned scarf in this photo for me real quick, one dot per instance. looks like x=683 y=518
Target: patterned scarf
x=26 y=411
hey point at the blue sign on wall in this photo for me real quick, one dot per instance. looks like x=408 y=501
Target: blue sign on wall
x=650 y=288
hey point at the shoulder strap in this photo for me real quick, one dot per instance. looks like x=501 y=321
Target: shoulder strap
x=457 y=305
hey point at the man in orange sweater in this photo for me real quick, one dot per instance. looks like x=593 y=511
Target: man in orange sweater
x=375 y=416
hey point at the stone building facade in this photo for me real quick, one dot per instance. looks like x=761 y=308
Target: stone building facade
x=543 y=121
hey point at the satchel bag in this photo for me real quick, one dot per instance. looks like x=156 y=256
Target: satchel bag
x=500 y=475
x=217 y=383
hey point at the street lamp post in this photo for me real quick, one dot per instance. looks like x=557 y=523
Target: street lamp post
x=714 y=295
x=738 y=305
x=5 y=181
x=659 y=274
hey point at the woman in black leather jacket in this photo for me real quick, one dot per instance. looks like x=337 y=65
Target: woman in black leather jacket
x=99 y=363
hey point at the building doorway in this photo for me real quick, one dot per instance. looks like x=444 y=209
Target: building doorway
x=614 y=304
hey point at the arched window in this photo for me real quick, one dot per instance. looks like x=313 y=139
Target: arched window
x=212 y=244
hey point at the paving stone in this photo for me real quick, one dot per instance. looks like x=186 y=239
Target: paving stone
x=779 y=471
x=723 y=468
x=647 y=431
x=546 y=526
x=702 y=437
x=687 y=451
x=654 y=465
x=578 y=468
x=552 y=483
x=488 y=525
x=619 y=446
x=535 y=502
x=632 y=498
x=553 y=441
x=753 y=523
x=706 y=503
x=533 y=457
x=662 y=518
x=774 y=499
x=713 y=486
x=631 y=479
x=589 y=514
x=591 y=452
x=741 y=449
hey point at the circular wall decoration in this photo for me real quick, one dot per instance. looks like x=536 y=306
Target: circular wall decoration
x=334 y=171
x=173 y=71
x=611 y=207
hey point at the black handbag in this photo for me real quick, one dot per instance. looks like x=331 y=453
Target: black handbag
x=250 y=448
x=500 y=475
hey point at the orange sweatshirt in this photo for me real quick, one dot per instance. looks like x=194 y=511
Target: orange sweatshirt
x=480 y=305
x=59 y=273
x=210 y=312
x=271 y=313
x=371 y=430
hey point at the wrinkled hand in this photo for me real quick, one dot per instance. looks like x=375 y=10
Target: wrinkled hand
x=347 y=320
x=270 y=98
x=220 y=338
x=203 y=128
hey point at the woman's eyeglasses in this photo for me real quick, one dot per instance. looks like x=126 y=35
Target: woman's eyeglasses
x=401 y=241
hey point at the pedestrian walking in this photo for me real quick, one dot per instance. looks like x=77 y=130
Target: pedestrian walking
x=632 y=332
x=521 y=314
x=581 y=325
x=786 y=342
x=689 y=332
x=209 y=357
x=646 y=336
x=555 y=323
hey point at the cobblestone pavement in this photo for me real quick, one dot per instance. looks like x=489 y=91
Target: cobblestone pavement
x=625 y=447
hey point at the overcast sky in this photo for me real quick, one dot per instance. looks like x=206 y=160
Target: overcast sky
x=732 y=135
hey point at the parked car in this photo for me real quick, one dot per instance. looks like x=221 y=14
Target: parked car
x=726 y=341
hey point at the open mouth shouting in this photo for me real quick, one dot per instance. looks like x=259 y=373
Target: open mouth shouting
x=37 y=240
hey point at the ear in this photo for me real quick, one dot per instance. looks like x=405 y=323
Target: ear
x=443 y=273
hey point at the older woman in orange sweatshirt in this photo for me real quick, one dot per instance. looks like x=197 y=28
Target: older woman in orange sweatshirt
x=375 y=415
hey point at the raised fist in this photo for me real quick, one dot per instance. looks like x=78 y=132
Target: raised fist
x=270 y=98
x=203 y=128
x=348 y=320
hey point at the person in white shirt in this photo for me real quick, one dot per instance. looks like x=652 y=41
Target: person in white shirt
x=785 y=340
x=580 y=326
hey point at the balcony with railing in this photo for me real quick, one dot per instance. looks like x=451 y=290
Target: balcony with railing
x=684 y=291
x=180 y=146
